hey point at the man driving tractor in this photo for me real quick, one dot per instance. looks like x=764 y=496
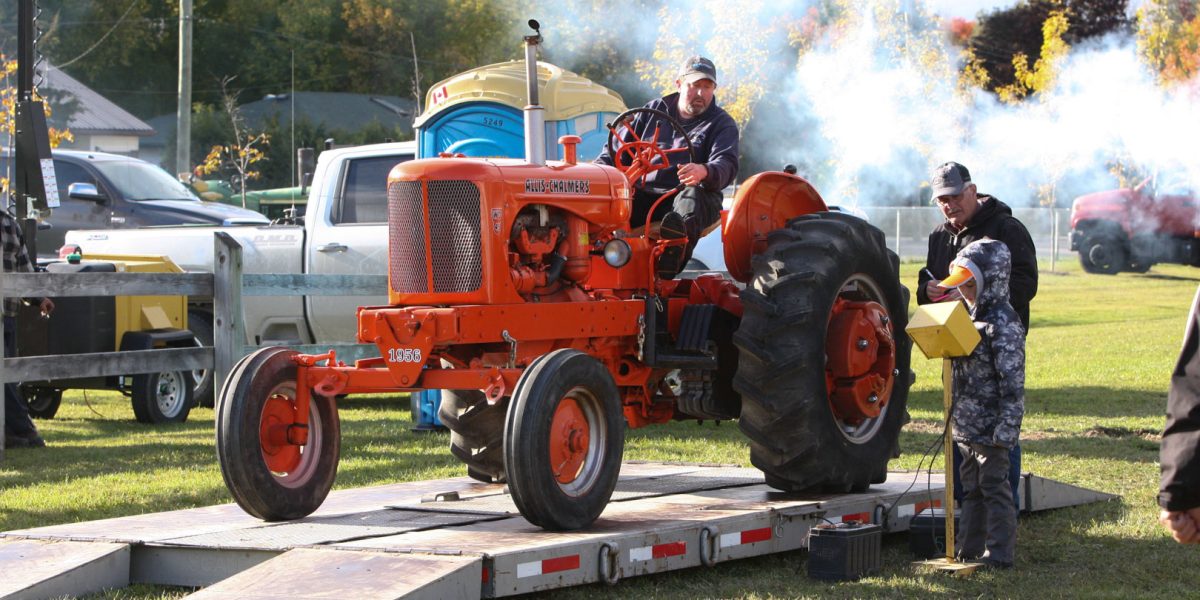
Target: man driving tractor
x=713 y=139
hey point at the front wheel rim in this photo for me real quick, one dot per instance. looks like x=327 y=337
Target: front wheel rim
x=292 y=465
x=577 y=441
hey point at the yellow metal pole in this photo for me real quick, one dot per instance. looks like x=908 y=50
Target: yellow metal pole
x=948 y=398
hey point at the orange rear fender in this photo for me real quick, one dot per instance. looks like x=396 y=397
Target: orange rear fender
x=764 y=203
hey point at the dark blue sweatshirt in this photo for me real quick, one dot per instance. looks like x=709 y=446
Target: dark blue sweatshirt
x=714 y=137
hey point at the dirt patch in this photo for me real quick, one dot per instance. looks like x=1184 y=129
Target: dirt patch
x=1100 y=431
x=931 y=427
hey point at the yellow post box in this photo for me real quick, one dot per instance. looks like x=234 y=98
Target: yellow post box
x=944 y=330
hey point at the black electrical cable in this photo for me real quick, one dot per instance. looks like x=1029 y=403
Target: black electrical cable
x=935 y=449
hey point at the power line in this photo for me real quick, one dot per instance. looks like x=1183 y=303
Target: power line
x=102 y=38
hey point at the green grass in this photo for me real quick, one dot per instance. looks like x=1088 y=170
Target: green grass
x=1099 y=362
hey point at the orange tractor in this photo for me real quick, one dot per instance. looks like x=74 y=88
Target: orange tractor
x=523 y=287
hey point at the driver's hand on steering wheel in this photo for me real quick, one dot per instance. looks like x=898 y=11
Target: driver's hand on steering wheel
x=692 y=173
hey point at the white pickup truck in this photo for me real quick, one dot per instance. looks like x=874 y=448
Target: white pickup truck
x=344 y=231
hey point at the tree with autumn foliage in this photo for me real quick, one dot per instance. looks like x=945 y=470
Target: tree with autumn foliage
x=1002 y=34
x=241 y=155
x=1040 y=77
x=745 y=65
x=1169 y=39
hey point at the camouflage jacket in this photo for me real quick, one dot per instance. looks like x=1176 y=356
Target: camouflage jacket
x=989 y=384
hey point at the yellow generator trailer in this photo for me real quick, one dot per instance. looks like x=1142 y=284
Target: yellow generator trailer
x=82 y=325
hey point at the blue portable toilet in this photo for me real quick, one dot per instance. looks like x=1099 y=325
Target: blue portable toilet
x=479 y=112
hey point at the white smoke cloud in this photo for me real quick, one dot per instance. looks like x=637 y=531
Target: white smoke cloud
x=884 y=124
x=866 y=118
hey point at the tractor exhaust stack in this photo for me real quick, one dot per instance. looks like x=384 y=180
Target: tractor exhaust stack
x=535 y=115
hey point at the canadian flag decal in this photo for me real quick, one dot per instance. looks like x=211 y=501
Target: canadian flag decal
x=440 y=95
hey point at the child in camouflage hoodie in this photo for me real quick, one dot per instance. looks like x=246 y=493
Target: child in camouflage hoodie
x=989 y=401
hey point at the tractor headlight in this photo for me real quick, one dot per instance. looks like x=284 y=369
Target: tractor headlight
x=617 y=253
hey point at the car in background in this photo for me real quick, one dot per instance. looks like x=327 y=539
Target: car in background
x=98 y=190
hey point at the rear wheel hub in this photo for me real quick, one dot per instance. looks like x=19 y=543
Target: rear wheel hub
x=861 y=359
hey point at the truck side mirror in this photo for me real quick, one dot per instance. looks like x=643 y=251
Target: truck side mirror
x=305 y=163
x=85 y=191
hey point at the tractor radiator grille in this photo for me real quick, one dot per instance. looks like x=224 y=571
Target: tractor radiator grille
x=406 y=238
x=454 y=236
x=453 y=232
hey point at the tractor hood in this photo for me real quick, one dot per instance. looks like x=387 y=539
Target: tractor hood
x=191 y=211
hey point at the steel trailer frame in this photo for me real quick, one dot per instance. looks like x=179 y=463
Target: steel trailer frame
x=464 y=539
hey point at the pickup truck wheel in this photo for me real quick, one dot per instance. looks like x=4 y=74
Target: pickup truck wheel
x=476 y=432
x=1102 y=253
x=269 y=477
x=563 y=439
x=200 y=324
x=162 y=397
x=43 y=402
x=822 y=353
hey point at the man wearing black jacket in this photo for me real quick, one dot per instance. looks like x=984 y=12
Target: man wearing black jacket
x=714 y=139
x=1179 y=490
x=972 y=216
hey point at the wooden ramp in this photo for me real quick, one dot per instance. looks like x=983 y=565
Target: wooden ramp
x=463 y=539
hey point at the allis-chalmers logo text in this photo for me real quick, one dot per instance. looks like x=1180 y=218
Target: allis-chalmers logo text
x=558 y=186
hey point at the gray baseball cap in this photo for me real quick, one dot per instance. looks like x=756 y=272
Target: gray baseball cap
x=696 y=68
x=949 y=179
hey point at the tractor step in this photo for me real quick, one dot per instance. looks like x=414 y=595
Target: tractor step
x=691 y=350
x=458 y=538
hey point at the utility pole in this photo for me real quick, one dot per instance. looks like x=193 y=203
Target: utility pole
x=183 y=115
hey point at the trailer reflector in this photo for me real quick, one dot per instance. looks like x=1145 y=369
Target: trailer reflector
x=862 y=517
x=749 y=536
x=547 y=566
x=658 y=551
x=908 y=510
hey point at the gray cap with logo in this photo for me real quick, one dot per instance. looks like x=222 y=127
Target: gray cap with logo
x=949 y=179
x=696 y=68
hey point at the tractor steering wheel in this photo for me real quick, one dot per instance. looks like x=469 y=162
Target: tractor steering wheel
x=638 y=157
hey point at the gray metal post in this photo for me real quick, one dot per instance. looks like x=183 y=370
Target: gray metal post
x=2 y=357
x=229 y=331
x=898 y=254
x=1054 y=241
x=183 y=116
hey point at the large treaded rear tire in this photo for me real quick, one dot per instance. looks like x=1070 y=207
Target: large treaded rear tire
x=476 y=432
x=795 y=438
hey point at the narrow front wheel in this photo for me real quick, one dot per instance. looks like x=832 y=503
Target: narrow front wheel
x=269 y=476
x=564 y=435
